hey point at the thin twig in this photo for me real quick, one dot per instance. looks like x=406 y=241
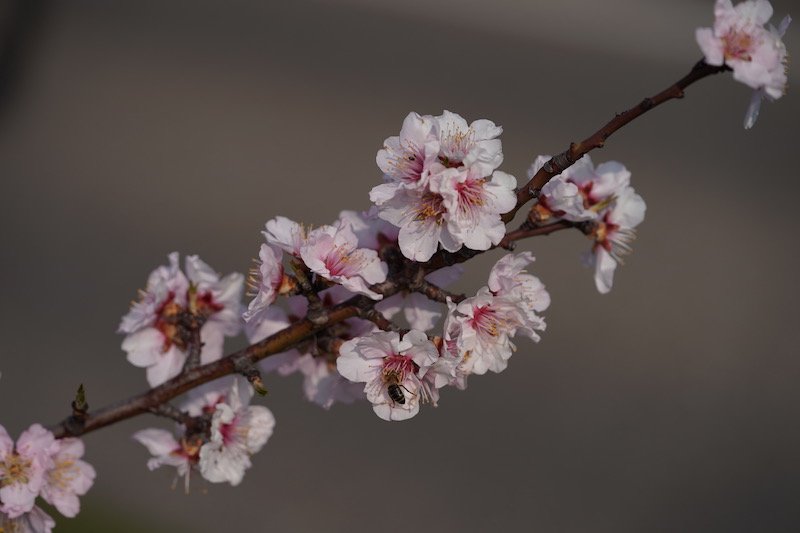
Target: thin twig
x=558 y=163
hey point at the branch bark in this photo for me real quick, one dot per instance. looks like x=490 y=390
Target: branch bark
x=155 y=400
x=558 y=163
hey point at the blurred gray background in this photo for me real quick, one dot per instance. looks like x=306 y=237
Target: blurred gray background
x=130 y=129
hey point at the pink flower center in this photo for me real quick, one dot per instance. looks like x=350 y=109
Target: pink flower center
x=485 y=320
x=14 y=469
x=409 y=165
x=738 y=45
x=396 y=368
x=430 y=206
x=470 y=195
x=63 y=474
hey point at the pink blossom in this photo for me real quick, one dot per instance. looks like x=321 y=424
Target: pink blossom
x=286 y=234
x=392 y=370
x=421 y=216
x=167 y=451
x=34 y=521
x=405 y=159
x=438 y=189
x=238 y=430
x=755 y=53
x=23 y=468
x=474 y=205
x=154 y=339
x=332 y=252
x=613 y=236
x=479 y=330
x=267 y=280
x=474 y=147
x=68 y=478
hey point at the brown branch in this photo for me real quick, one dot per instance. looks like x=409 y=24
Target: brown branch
x=279 y=342
x=316 y=310
x=242 y=361
x=558 y=163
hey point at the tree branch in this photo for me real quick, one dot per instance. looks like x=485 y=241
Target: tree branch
x=558 y=163
x=243 y=361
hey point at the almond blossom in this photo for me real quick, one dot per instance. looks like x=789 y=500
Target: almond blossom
x=268 y=280
x=438 y=189
x=238 y=430
x=755 y=53
x=154 y=338
x=488 y=321
x=405 y=159
x=68 y=477
x=34 y=521
x=613 y=236
x=333 y=253
x=392 y=370
x=23 y=468
x=166 y=450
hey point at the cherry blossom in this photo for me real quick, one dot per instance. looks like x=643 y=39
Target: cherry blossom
x=23 y=468
x=238 y=430
x=34 y=521
x=333 y=253
x=392 y=370
x=755 y=53
x=154 y=338
x=68 y=478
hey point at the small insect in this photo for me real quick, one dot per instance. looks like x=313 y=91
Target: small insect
x=394 y=389
x=395 y=392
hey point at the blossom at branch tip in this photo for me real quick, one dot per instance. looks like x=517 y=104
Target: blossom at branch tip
x=23 y=468
x=333 y=253
x=755 y=53
x=68 y=478
x=34 y=521
x=440 y=188
x=238 y=430
x=156 y=338
x=392 y=369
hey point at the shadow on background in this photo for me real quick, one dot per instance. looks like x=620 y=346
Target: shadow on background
x=135 y=128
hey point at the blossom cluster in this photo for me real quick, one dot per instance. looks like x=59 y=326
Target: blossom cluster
x=39 y=465
x=402 y=372
x=156 y=333
x=221 y=450
x=601 y=195
x=406 y=336
x=441 y=185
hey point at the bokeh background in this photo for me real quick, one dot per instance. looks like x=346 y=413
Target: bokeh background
x=133 y=128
